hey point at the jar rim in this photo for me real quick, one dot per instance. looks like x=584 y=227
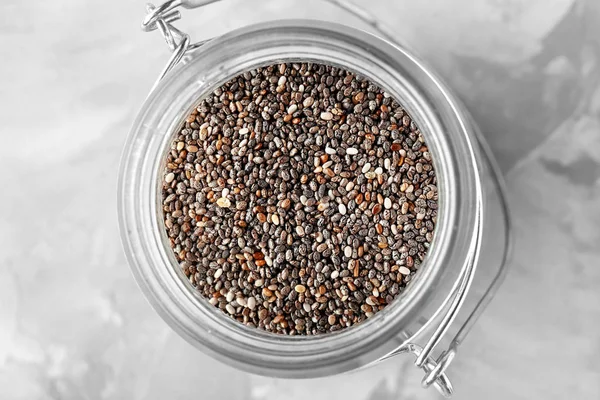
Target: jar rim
x=400 y=74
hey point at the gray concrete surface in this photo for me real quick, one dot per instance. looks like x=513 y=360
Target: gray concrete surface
x=73 y=324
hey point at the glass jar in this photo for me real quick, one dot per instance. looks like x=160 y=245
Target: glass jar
x=467 y=256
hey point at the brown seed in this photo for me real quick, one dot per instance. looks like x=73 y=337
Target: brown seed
x=358 y=98
x=361 y=251
x=395 y=146
x=376 y=209
x=263 y=313
x=261 y=217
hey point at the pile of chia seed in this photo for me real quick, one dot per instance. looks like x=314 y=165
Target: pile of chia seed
x=299 y=198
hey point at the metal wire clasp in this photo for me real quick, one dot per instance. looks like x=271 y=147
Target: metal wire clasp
x=161 y=18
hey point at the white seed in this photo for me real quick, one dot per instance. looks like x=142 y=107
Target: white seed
x=230 y=309
x=420 y=216
x=282 y=80
x=218 y=273
x=241 y=301
x=387 y=163
x=329 y=150
x=269 y=261
x=258 y=282
x=404 y=271
x=387 y=203
x=404 y=208
x=244 y=131
x=275 y=219
x=351 y=151
x=306 y=307
x=224 y=192
x=348 y=251
x=300 y=230
x=230 y=296
x=326 y=116
x=224 y=202
x=309 y=101
x=335 y=274
x=300 y=288
x=169 y=178
x=342 y=209
x=251 y=303
x=366 y=168
x=349 y=186
x=378 y=170
x=213 y=301
x=292 y=109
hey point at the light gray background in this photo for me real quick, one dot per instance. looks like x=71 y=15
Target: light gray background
x=73 y=324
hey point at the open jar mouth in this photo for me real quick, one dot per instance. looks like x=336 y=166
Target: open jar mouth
x=200 y=73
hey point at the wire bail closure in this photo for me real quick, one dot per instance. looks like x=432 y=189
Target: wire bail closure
x=161 y=18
